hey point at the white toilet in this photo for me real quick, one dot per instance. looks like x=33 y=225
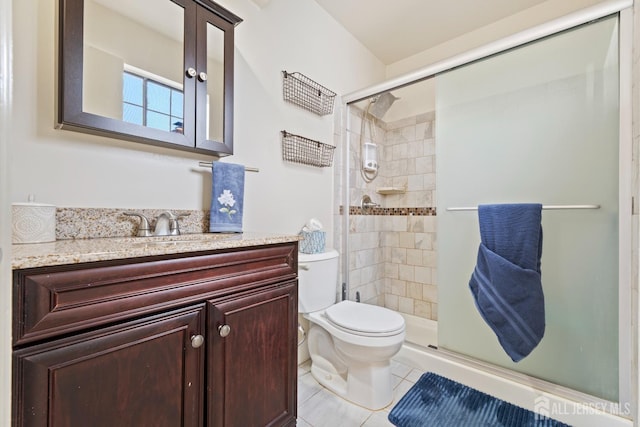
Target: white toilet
x=350 y=344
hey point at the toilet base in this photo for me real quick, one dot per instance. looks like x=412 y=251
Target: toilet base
x=353 y=366
x=369 y=386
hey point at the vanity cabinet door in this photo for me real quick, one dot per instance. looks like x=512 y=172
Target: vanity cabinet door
x=252 y=375
x=141 y=373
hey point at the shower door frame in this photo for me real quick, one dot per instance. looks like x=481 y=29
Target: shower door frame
x=628 y=241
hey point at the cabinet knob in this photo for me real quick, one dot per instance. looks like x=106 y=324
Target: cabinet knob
x=197 y=341
x=224 y=330
x=191 y=72
x=202 y=77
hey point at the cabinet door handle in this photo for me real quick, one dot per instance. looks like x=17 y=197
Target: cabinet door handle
x=224 y=330
x=191 y=72
x=197 y=341
x=202 y=77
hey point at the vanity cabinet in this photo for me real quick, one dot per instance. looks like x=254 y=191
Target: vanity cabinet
x=140 y=373
x=195 y=339
x=151 y=71
x=251 y=382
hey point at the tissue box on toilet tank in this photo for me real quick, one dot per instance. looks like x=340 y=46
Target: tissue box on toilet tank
x=312 y=242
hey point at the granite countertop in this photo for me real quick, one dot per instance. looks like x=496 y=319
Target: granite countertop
x=102 y=249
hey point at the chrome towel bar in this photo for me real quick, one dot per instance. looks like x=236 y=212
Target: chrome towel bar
x=546 y=207
x=209 y=164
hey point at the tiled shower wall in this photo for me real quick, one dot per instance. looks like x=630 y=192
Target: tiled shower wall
x=392 y=259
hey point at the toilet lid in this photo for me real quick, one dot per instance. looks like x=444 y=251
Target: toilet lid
x=364 y=318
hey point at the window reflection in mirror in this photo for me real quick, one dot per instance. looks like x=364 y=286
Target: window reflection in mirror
x=133 y=62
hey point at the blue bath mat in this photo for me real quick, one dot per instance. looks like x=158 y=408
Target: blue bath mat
x=436 y=401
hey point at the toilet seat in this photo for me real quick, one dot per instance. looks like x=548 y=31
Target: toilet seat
x=364 y=319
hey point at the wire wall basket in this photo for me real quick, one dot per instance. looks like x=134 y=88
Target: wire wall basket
x=300 y=90
x=298 y=149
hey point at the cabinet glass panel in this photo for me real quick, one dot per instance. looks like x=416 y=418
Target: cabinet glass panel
x=215 y=84
x=134 y=74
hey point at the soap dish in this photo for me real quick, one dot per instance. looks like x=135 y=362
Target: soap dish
x=391 y=190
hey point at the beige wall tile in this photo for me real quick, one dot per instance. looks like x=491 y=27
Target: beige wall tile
x=424 y=241
x=414 y=257
x=405 y=305
x=430 y=293
x=391 y=301
x=415 y=182
x=415 y=224
x=398 y=287
x=414 y=290
x=423 y=275
x=430 y=224
x=424 y=164
x=406 y=272
x=398 y=255
x=430 y=259
x=407 y=240
x=390 y=270
x=422 y=309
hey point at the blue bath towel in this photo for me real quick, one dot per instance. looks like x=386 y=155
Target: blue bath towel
x=506 y=283
x=227 y=198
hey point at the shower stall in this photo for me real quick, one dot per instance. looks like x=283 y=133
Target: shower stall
x=540 y=118
x=392 y=242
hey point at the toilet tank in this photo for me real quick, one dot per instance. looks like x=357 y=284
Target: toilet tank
x=317 y=280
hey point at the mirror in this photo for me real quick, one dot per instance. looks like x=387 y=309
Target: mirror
x=154 y=71
x=134 y=74
x=215 y=86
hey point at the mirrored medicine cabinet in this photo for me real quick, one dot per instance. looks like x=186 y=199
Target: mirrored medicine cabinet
x=152 y=71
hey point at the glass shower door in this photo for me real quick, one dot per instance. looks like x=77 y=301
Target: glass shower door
x=537 y=124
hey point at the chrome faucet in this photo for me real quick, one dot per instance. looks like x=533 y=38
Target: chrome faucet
x=166 y=224
x=366 y=203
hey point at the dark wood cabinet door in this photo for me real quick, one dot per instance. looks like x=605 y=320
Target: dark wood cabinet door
x=252 y=370
x=141 y=373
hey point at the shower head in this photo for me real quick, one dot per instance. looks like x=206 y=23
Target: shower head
x=381 y=104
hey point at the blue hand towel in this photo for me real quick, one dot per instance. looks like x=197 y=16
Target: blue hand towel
x=506 y=283
x=227 y=198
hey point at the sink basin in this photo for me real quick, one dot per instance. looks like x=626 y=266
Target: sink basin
x=164 y=241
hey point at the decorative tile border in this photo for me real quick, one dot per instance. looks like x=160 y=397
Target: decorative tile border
x=357 y=210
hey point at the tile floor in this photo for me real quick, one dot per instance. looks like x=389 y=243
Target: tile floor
x=318 y=407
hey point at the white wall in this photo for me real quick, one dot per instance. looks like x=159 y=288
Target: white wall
x=5 y=229
x=71 y=169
